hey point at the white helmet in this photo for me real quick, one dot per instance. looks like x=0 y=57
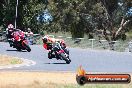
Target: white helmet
x=29 y=29
x=10 y=26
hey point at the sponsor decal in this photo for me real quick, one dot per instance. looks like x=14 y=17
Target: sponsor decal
x=82 y=78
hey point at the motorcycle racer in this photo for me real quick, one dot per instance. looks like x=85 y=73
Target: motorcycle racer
x=9 y=33
x=19 y=41
x=48 y=44
x=18 y=34
x=29 y=32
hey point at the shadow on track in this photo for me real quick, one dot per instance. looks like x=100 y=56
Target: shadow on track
x=16 y=50
x=11 y=50
x=55 y=63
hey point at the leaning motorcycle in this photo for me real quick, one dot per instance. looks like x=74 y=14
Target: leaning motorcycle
x=20 y=42
x=60 y=53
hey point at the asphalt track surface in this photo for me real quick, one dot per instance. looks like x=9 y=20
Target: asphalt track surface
x=91 y=60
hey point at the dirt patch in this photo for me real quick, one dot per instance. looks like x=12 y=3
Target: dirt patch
x=7 y=60
x=26 y=78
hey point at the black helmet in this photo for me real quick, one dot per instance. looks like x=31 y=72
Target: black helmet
x=45 y=40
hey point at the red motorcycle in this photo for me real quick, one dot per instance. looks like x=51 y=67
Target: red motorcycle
x=20 y=42
x=60 y=53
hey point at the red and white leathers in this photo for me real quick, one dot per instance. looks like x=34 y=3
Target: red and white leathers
x=51 y=41
x=18 y=35
x=49 y=45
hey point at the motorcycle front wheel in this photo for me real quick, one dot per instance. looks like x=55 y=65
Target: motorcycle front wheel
x=65 y=58
x=27 y=47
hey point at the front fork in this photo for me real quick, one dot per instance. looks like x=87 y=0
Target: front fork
x=66 y=50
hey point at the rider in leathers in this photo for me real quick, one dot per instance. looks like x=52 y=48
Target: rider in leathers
x=49 y=45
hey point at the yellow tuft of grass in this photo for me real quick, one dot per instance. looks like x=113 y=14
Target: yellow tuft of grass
x=8 y=60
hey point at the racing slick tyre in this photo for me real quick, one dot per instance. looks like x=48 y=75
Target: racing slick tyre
x=49 y=55
x=65 y=58
x=27 y=47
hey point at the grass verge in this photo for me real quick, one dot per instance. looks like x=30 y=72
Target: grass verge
x=48 y=80
x=53 y=85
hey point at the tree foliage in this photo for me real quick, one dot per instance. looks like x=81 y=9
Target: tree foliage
x=75 y=16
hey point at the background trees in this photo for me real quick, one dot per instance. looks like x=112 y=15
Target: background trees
x=75 y=16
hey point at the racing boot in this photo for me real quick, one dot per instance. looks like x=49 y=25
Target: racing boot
x=51 y=55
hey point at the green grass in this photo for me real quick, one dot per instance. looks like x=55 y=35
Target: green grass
x=8 y=60
x=93 y=86
x=15 y=61
x=129 y=34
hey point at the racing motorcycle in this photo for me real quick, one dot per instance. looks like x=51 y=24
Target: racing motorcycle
x=59 y=52
x=20 y=42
